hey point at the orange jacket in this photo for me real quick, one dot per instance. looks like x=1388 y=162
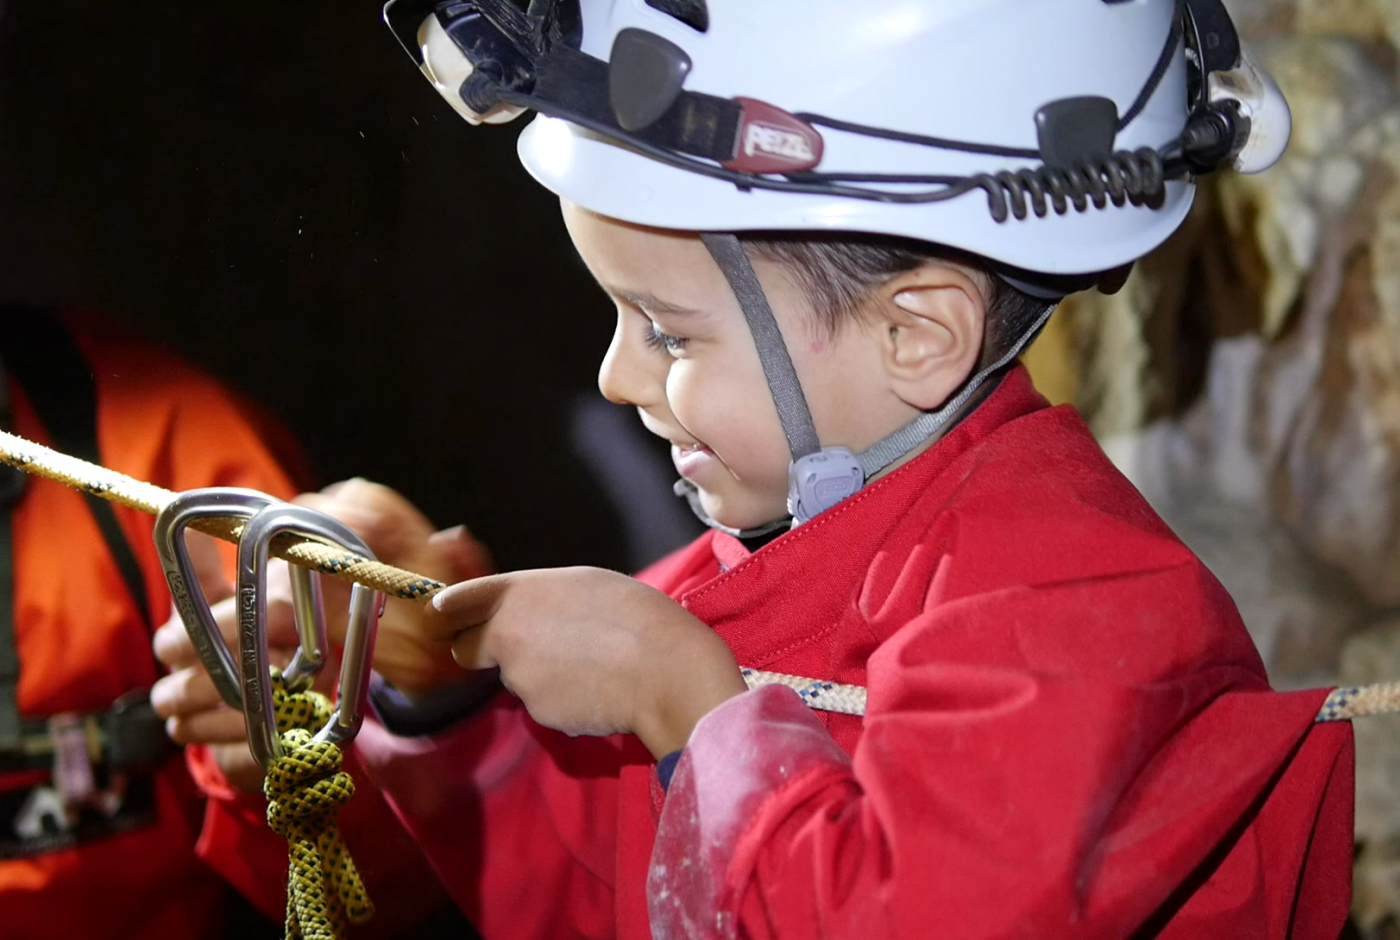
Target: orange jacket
x=82 y=643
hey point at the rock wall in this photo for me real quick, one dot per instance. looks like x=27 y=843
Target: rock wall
x=1248 y=380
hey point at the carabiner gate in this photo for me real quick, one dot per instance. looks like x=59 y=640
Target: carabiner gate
x=366 y=605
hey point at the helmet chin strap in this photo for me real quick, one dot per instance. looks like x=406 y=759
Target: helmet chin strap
x=687 y=489
x=820 y=477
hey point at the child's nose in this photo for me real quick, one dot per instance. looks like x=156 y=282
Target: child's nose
x=624 y=378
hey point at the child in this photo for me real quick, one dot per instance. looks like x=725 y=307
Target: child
x=1068 y=731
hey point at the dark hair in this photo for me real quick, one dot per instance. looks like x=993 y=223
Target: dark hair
x=838 y=270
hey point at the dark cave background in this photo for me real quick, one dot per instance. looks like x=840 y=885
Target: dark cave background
x=274 y=193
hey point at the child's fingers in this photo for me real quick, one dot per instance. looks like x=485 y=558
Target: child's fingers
x=470 y=650
x=463 y=606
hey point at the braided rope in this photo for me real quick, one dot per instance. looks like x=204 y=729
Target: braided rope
x=1359 y=701
x=118 y=488
x=816 y=693
x=305 y=788
x=1342 y=705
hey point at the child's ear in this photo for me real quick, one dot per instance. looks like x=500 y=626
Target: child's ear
x=932 y=319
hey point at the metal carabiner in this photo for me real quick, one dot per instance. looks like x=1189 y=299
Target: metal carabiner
x=366 y=605
x=193 y=606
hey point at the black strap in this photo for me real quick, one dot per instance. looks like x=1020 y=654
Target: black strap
x=10 y=729
x=51 y=369
x=696 y=123
x=131 y=736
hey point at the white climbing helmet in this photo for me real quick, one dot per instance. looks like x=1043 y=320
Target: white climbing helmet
x=1056 y=138
x=1032 y=133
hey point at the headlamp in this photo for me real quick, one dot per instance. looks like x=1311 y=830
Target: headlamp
x=493 y=60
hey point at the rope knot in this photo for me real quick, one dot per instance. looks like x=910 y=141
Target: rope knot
x=297 y=707
x=305 y=788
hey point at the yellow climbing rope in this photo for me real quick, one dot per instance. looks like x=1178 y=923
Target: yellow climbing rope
x=123 y=490
x=305 y=788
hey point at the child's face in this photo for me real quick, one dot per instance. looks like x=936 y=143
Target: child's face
x=683 y=356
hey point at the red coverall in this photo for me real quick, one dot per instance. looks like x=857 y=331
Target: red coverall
x=1069 y=734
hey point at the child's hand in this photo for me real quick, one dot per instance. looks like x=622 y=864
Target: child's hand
x=590 y=651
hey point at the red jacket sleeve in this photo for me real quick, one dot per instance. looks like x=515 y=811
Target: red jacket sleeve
x=544 y=806
x=238 y=844
x=1000 y=789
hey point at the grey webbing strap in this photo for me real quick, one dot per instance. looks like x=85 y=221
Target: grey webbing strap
x=793 y=412
x=885 y=452
x=787 y=394
x=687 y=490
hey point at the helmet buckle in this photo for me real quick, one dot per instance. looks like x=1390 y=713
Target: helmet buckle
x=816 y=482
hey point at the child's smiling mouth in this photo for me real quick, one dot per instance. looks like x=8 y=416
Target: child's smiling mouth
x=691 y=459
x=689 y=456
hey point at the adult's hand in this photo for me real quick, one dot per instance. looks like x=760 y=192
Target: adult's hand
x=194 y=711
x=410 y=659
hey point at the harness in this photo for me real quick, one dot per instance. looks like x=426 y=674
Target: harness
x=77 y=750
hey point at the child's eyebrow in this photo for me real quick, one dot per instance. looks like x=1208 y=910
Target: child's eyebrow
x=647 y=301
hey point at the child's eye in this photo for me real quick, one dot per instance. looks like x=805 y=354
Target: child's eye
x=665 y=341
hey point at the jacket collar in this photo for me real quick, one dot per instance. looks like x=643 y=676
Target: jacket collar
x=794 y=590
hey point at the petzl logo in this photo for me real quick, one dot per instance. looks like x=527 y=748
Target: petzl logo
x=248 y=647
x=770 y=140
x=760 y=138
